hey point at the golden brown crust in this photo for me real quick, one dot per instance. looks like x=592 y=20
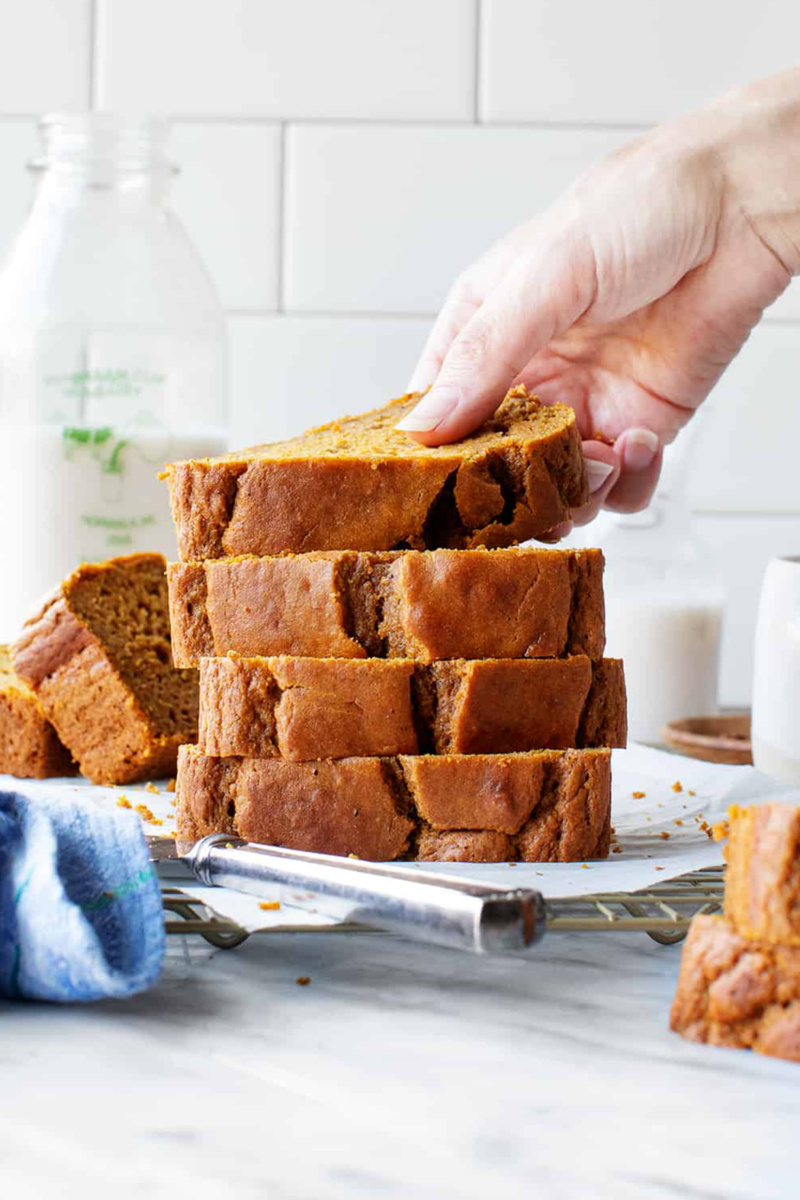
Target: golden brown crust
x=518 y=603
x=113 y=727
x=29 y=746
x=315 y=708
x=762 y=883
x=359 y=484
x=546 y=807
x=736 y=992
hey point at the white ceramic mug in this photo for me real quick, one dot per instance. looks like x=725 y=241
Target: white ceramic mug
x=776 y=681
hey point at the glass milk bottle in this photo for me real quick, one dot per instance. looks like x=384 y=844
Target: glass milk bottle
x=112 y=358
x=664 y=605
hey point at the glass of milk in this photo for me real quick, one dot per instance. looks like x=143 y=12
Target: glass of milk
x=664 y=607
x=112 y=357
x=776 y=682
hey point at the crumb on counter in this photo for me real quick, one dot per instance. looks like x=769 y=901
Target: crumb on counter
x=677 y=821
x=303 y=980
x=144 y=812
x=677 y=786
x=584 y=866
x=638 y=795
x=658 y=868
x=124 y=802
x=616 y=849
x=170 y=785
x=666 y=836
x=721 y=830
x=151 y=788
x=270 y=905
x=689 y=792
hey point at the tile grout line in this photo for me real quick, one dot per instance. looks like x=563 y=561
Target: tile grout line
x=478 y=61
x=281 y=221
x=93 y=28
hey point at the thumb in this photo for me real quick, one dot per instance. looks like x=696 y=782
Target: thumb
x=541 y=297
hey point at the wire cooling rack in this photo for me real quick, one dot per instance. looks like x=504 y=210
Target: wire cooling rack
x=662 y=911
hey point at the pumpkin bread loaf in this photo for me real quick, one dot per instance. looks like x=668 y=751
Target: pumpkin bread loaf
x=29 y=746
x=549 y=806
x=762 y=882
x=516 y=603
x=98 y=656
x=736 y=992
x=315 y=708
x=360 y=484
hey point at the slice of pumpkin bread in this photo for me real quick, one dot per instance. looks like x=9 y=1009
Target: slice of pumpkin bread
x=360 y=484
x=548 y=806
x=314 y=708
x=98 y=656
x=762 y=882
x=736 y=992
x=29 y=746
x=439 y=604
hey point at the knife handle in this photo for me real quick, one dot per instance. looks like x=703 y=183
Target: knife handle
x=446 y=910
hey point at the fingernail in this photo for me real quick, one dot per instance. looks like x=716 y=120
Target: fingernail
x=432 y=409
x=639 y=448
x=598 y=472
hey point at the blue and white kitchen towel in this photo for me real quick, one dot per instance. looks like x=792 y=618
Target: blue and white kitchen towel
x=81 y=916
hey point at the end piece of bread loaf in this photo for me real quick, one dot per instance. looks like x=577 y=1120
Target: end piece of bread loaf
x=314 y=708
x=359 y=484
x=762 y=882
x=515 y=603
x=548 y=806
x=29 y=746
x=98 y=656
x=736 y=992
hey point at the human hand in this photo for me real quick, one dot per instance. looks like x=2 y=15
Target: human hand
x=632 y=294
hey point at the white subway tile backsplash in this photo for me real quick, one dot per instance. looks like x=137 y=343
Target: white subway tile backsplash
x=19 y=143
x=228 y=196
x=371 y=59
x=383 y=219
x=745 y=458
x=44 y=55
x=290 y=372
x=625 y=61
x=739 y=548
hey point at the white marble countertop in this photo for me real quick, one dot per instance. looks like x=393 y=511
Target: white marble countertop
x=398 y=1071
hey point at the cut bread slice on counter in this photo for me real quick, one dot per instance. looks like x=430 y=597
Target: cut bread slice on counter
x=762 y=882
x=736 y=992
x=360 y=484
x=513 y=603
x=98 y=657
x=547 y=806
x=316 y=708
x=29 y=745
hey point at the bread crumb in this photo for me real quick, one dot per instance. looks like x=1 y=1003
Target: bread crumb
x=690 y=792
x=638 y=795
x=677 y=786
x=270 y=905
x=658 y=868
x=151 y=787
x=721 y=830
x=616 y=849
x=303 y=980
x=677 y=821
x=664 y=835
x=352 y=855
x=511 y=864
x=124 y=802
x=584 y=866
x=144 y=812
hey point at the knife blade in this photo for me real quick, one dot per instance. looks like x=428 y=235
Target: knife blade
x=446 y=910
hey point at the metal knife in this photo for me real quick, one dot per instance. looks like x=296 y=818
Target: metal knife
x=461 y=914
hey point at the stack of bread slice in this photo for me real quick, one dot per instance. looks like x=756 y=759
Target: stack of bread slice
x=739 y=982
x=382 y=672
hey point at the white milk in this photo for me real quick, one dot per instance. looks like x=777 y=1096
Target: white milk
x=776 y=679
x=670 y=644
x=83 y=495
